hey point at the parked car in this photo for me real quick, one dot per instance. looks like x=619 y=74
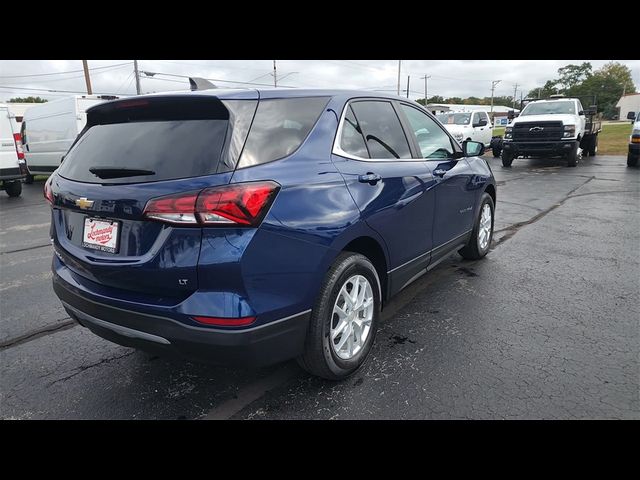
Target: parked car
x=49 y=129
x=463 y=126
x=12 y=164
x=634 y=142
x=556 y=126
x=251 y=227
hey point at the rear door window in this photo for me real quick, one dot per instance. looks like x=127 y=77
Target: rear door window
x=352 y=140
x=158 y=150
x=382 y=130
x=279 y=127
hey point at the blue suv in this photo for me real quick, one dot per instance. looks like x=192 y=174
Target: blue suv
x=255 y=226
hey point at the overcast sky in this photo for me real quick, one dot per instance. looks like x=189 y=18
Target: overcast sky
x=461 y=78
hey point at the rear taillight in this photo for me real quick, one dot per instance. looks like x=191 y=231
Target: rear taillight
x=48 y=193
x=19 y=150
x=241 y=204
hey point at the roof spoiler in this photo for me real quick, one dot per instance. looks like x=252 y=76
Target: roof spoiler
x=197 y=83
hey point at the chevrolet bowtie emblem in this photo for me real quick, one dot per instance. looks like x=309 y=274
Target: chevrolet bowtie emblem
x=536 y=129
x=84 y=203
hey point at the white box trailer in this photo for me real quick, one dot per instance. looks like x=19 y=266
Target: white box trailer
x=49 y=129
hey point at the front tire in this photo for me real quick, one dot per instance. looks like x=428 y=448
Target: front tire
x=572 y=157
x=13 y=189
x=507 y=158
x=632 y=160
x=344 y=319
x=482 y=233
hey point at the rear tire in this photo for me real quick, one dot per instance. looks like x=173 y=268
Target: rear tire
x=29 y=179
x=478 y=244
x=496 y=152
x=507 y=158
x=13 y=189
x=593 y=146
x=322 y=355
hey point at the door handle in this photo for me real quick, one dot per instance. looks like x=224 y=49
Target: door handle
x=370 y=178
x=439 y=172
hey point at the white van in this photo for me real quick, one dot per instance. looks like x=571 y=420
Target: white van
x=49 y=129
x=473 y=125
x=12 y=165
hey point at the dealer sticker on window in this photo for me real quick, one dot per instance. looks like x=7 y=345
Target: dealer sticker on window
x=100 y=235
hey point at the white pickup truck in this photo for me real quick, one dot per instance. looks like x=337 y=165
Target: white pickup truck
x=473 y=125
x=552 y=127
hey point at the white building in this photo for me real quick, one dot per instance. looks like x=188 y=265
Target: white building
x=628 y=103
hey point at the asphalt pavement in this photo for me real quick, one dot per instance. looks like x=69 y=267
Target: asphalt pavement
x=546 y=326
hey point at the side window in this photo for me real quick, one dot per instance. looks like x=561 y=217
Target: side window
x=382 y=129
x=483 y=116
x=279 y=128
x=352 y=140
x=475 y=119
x=580 y=109
x=432 y=139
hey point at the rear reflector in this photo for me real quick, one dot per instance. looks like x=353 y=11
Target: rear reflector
x=225 y=322
x=18 y=140
x=240 y=204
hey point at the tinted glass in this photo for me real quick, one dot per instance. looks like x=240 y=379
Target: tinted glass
x=382 y=130
x=433 y=141
x=454 y=118
x=483 y=116
x=352 y=141
x=549 y=108
x=279 y=128
x=170 y=149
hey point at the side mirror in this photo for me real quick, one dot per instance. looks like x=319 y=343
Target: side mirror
x=631 y=116
x=511 y=115
x=581 y=112
x=481 y=123
x=472 y=149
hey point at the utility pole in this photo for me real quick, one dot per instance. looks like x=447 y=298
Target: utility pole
x=515 y=90
x=408 y=82
x=86 y=76
x=275 y=75
x=137 y=74
x=493 y=87
x=425 y=89
x=399 y=66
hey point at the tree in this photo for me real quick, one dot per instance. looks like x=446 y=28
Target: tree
x=572 y=75
x=608 y=84
x=27 y=100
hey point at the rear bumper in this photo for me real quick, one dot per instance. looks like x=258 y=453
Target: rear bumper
x=11 y=174
x=265 y=344
x=634 y=149
x=533 y=148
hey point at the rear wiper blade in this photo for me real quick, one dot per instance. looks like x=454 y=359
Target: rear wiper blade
x=119 y=172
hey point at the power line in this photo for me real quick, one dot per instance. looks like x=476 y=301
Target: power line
x=62 y=73
x=214 y=79
x=106 y=70
x=52 y=91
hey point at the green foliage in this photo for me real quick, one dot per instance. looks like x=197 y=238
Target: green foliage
x=27 y=100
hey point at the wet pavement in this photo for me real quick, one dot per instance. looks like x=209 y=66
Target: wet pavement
x=546 y=326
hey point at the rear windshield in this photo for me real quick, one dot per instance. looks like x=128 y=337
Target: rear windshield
x=154 y=150
x=454 y=118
